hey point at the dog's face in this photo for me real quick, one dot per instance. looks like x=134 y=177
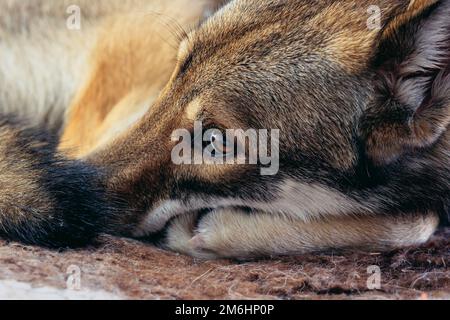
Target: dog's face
x=310 y=69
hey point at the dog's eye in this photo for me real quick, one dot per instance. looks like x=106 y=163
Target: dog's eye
x=219 y=143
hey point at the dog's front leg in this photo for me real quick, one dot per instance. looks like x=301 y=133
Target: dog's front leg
x=236 y=234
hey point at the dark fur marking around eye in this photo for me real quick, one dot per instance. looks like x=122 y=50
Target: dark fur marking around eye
x=187 y=63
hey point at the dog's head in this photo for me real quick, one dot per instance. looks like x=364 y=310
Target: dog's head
x=357 y=92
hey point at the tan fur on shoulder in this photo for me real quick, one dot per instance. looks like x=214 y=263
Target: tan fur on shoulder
x=136 y=52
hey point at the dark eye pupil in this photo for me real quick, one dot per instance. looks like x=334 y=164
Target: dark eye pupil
x=219 y=143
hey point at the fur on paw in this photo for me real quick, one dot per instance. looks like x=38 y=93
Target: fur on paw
x=223 y=233
x=182 y=237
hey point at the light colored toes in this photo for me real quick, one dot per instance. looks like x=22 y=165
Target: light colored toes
x=197 y=242
x=181 y=238
x=179 y=233
x=229 y=233
x=235 y=234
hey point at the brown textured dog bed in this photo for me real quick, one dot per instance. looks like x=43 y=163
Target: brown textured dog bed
x=126 y=269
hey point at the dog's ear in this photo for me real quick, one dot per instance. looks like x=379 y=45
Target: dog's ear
x=411 y=110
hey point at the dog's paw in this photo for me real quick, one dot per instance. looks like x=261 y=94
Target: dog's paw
x=226 y=233
x=182 y=237
x=219 y=234
x=223 y=233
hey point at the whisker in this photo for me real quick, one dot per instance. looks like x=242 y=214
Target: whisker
x=172 y=25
